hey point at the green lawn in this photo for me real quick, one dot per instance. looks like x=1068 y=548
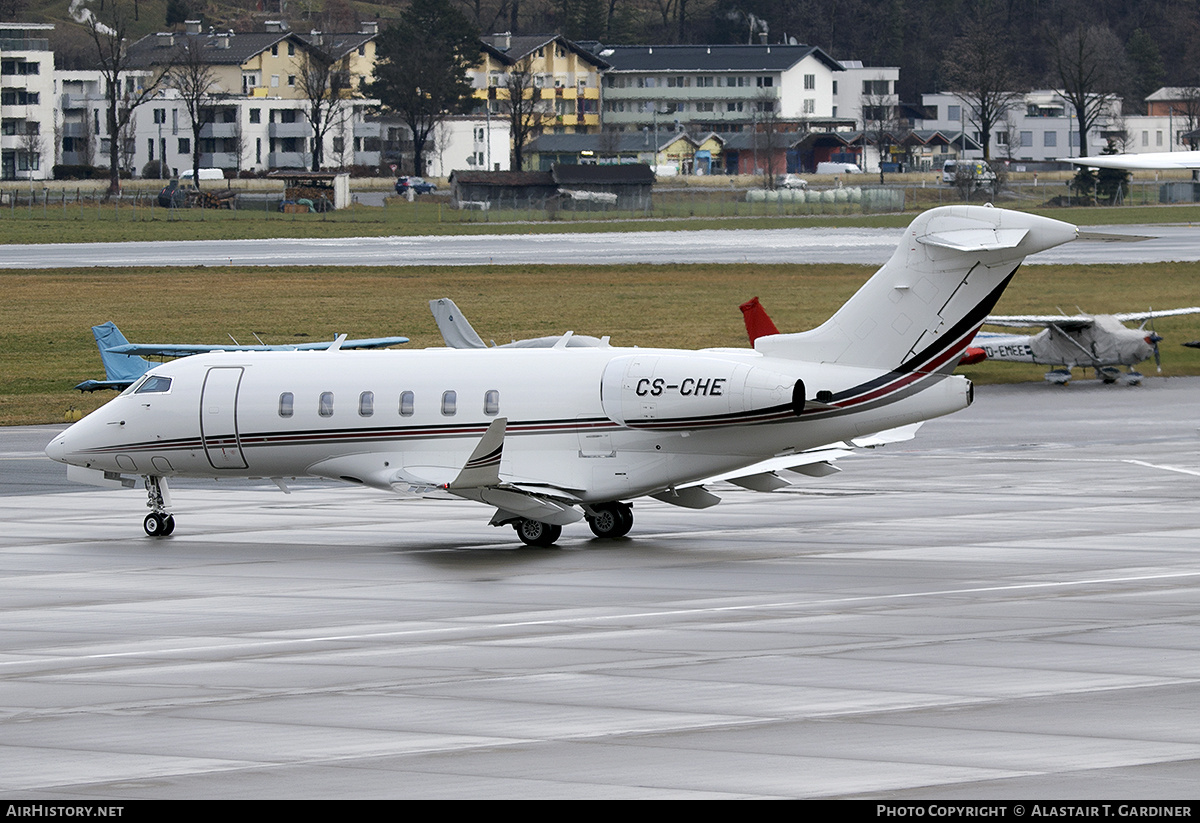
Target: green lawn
x=46 y=344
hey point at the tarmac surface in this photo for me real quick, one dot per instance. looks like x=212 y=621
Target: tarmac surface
x=1165 y=243
x=1006 y=607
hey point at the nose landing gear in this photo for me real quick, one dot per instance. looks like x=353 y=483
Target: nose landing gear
x=160 y=522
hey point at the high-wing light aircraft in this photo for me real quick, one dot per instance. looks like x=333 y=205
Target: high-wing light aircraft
x=1150 y=161
x=460 y=334
x=124 y=364
x=550 y=436
x=1100 y=341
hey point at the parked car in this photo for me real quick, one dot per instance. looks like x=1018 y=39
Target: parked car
x=981 y=173
x=790 y=181
x=418 y=185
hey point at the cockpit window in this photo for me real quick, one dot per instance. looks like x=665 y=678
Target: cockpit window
x=154 y=384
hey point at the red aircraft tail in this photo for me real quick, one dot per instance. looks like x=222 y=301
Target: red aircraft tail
x=758 y=324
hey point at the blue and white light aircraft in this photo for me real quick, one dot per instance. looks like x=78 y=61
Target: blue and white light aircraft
x=551 y=436
x=124 y=363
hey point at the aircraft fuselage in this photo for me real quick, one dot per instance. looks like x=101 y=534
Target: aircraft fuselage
x=605 y=423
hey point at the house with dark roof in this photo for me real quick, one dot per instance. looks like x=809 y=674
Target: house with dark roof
x=722 y=88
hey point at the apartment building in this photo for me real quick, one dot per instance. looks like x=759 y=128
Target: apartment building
x=27 y=101
x=719 y=88
x=565 y=80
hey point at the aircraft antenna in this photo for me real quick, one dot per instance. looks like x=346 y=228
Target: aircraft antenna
x=259 y=339
x=234 y=339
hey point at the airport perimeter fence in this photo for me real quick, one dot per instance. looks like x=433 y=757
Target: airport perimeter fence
x=664 y=203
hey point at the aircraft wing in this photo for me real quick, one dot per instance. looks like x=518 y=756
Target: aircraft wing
x=1163 y=160
x=818 y=462
x=187 y=349
x=1134 y=316
x=1064 y=322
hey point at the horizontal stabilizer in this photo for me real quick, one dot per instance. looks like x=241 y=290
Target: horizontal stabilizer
x=969 y=240
x=899 y=434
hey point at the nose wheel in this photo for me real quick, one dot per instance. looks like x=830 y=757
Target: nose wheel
x=160 y=522
x=158 y=525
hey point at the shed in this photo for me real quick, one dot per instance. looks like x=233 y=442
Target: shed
x=625 y=186
x=332 y=187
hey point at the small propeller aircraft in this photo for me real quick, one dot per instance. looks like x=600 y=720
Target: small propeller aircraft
x=547 y=437
x=1101 y=342
x=124 y=364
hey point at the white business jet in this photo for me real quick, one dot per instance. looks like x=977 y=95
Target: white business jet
x=551 y=436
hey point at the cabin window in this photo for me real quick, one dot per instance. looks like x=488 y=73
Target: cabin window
x=406 y=404
x=449 y=403
x=325 y=405
x=287 y=404
x=366 y=403
x=155 y=384
x=491 y=402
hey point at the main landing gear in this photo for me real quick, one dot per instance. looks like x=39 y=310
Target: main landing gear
x=160 y=522
x=611 y=519
x=608 y=520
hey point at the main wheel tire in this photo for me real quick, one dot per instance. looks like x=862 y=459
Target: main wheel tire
x=537 y=533
x=611 y=520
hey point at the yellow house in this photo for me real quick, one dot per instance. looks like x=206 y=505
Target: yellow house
x=564 y=75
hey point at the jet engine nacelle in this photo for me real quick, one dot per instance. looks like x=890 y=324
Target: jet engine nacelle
x=679 y=392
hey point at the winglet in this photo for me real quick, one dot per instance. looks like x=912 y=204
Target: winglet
x=482 y=468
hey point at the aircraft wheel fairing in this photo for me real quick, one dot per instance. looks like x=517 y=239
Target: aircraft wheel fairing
x=537 y=533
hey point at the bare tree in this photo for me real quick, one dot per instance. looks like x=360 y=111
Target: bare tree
x=324 y=81
x=32 y=146
x=527 y=112
x=980 y=67
x=879 y=124
x=1089 y=65
x=1190 y=112
x=192 y=76
x=124 y=91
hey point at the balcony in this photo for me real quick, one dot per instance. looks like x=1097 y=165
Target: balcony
x=219 y=160
x=299 y=129
x=288 y=160
x=218 y=130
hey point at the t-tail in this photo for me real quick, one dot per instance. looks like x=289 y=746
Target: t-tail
x=120 y=370
x=920 y=311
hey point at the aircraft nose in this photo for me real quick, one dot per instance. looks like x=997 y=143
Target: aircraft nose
x=56 y=449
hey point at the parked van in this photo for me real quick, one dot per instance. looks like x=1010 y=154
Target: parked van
x=205 y=174
x=981 y=173
x=838 y=168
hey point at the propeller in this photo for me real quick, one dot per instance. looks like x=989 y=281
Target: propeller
x=1153 y=339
